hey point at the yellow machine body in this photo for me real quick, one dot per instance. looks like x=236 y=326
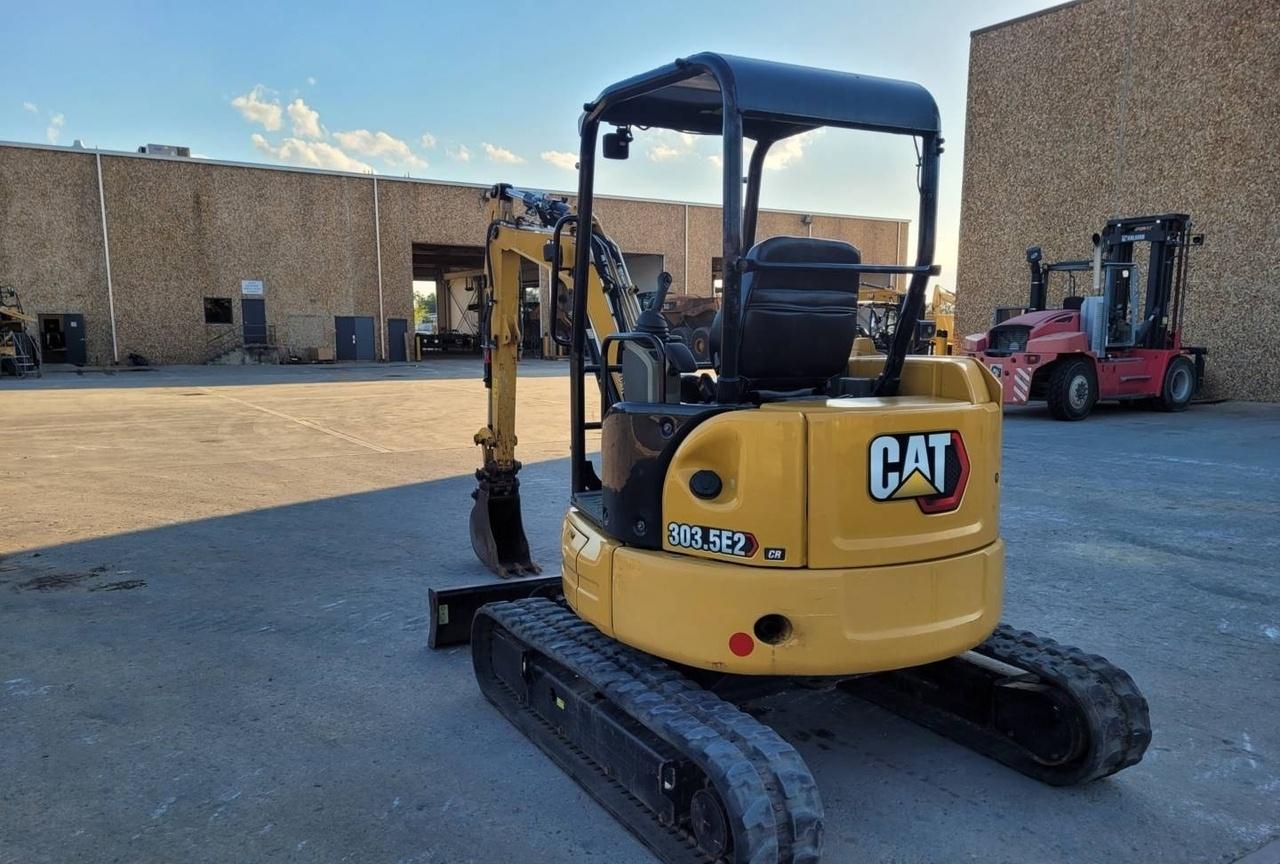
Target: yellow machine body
x=863 y=584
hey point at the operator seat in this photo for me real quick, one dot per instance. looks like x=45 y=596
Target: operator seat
x=798 y=325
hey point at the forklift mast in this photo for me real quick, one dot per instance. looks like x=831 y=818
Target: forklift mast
x=1164 y=274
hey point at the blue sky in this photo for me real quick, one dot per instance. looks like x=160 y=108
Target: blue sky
x=477 y=92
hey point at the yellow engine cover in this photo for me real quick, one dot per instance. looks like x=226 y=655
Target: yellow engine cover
x=848 y=536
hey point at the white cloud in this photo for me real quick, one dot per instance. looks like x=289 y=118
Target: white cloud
x=380 y=145
x=30 y=108
x=54 y=129
x=501 y=154
x=667 y=146
x=561 y=159
x=312 y=154
x=789 y=151
x=665 y=153
x=782 y=155
x=311 y=79
x=256 y=109
x=305 y=120
x=460 y=153
x=428 y=140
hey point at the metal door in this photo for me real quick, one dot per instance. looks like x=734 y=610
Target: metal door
x=354 y=335
x=345 y=328
x=397 y=328
x=73 y=331
x=253 y=317
x=364 y=338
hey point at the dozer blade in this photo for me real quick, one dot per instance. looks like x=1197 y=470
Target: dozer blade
x=497 y=528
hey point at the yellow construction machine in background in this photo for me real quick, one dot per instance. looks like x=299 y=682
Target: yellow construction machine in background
x=879 y=310
x=942 y=312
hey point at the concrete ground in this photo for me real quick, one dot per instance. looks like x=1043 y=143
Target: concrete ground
x=212 y=586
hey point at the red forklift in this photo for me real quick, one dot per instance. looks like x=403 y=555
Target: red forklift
x=1122 y=342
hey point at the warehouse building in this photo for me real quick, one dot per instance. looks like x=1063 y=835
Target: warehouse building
x=180 y=260
x=1100 y=108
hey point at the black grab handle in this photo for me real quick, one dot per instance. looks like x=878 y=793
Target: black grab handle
x=556 y=269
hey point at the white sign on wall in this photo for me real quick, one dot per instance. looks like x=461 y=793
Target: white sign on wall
x=250 y=286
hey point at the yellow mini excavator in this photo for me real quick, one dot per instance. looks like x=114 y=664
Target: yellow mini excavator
x=798 y=509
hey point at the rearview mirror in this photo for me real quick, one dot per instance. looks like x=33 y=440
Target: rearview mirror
x=617 y=144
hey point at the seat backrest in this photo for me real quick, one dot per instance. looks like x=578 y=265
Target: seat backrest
x=798 y=325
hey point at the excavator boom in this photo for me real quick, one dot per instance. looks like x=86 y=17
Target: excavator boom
x=545 y=233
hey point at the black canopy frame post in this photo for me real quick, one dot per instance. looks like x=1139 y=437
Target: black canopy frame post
x=577 y=335
x=913 y=302
x=728 y=384
x=751 y=207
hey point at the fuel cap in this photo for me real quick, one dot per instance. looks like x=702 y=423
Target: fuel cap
x=705 y=484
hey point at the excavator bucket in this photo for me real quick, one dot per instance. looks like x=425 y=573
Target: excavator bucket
x=497 y=528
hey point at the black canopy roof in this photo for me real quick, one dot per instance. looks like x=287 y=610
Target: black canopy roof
x=774 y=99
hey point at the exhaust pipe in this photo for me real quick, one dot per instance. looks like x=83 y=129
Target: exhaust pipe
x=497 y=526
x=1036 y=298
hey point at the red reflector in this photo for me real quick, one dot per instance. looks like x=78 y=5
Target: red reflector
x=741 y=644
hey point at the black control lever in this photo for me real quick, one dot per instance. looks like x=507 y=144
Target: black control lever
x=652 y=320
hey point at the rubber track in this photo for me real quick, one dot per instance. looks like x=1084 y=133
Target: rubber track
x=769 y=794
x=1110 y=705
x=1120 y=721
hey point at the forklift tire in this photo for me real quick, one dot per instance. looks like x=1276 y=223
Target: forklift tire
x=1073 y=390
x=1179 y=385
x=701 y=344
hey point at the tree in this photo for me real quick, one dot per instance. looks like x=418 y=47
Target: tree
x=424 y=307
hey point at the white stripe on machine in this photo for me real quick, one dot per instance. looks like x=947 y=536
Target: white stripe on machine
x=1022 y=384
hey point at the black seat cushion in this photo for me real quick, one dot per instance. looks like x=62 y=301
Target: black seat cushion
x=798 y=325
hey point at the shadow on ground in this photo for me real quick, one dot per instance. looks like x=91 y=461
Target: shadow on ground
x=257 y=686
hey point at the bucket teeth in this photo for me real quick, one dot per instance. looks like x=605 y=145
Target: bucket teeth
x=497 y=527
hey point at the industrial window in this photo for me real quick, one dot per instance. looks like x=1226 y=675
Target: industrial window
x=217 y=310
x=717 y=275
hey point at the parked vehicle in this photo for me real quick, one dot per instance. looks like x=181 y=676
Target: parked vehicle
x=1122 y=342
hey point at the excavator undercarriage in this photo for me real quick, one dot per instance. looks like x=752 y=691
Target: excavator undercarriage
x=698 y=779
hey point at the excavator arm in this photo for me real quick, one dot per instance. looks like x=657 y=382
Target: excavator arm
x=497 y=527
